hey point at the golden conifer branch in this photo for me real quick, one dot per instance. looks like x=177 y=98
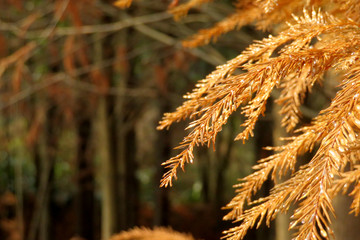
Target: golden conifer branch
x=343 y=183
x=234 y=21
x=348 y=8
x=355 y=205
x=311 y=184
x=306 y=29
x=309 y=46
x=277 y=164
x=221 y=93
x=182 y=10
x=266 y=12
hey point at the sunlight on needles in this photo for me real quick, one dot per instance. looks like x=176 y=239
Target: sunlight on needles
x=312 y=38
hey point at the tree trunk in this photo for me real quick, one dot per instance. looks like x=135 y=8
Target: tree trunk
x=44 y=158
x=51 y=144
x=19 y=196
x=282 y=221
x=223 y=154
x=84 y=203
x=132 y=185
x=106 y=168
x=264 y=138
x=113 y=126
x=107 y=178
x=18 y=181
x=125 y=144
x=162 y=204
x=345 y=226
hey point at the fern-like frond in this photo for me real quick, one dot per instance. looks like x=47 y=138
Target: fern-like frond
x=343 y=182
x=263 y=13
x=293 y=61
x=221 y=93
x=234 y=21
x=306 y=29
x=311 y=185
x=281 y=11
x=348 y=8
x=277 y=164
x=355 y=205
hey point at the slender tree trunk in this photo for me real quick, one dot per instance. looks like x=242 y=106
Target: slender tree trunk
x=213 y=167
x=106 y=166
x=204 y=172
x=263 y=138
x=19 y=195
x=162 y=202
x=113 y=141
x=126 y=144
x=120 y=148
x=51 y=143
x=223 y=158
x=282 y=221
x=345 y=226
x=108 y=209
x=122 y=180
x=45 y=220
x=44 y=156
x=131 y=165
x=85 y=181
x=132 y=185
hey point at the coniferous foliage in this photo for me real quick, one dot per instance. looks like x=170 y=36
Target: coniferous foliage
x=314 y=37
x=159 y=233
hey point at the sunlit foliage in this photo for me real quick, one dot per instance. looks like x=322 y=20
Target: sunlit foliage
x=159 y=233
x=315 y=37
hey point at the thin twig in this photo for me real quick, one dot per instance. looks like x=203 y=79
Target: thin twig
x=166 y=39
x=89 y=29
x=89 y=87
x=49 y=31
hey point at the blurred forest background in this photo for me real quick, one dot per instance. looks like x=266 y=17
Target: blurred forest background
x=83 y=85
